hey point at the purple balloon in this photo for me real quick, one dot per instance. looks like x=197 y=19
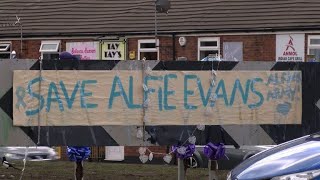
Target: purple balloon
x=214 y=151
x=67 y=56
x=190 y=148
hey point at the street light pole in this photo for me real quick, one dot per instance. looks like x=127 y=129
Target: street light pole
x=20 y=24
x=21 y=39
x=161 y=6
x=155 y=26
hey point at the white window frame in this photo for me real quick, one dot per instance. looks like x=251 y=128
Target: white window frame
x=156 y=49
x=57 y=43
x=313 y=46
x=8 y=48
x=52 y=51
x=208 y=48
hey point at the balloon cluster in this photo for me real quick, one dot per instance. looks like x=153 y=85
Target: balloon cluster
x=78 y=154
x=185 y=151
x=214 y=151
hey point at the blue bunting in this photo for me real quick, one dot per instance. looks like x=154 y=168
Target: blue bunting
x=78 y=154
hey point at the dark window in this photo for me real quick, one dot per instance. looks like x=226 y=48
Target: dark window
x=147 y=45
x=51 y=56
x=204 y=54
x=208 y=43
x=5 y=56
x=149 y=55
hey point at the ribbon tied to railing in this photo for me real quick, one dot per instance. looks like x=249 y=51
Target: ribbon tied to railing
x=214 y=151
x=185 y=151
x=78 y=154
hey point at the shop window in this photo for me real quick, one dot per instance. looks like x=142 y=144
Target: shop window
x=314 y=47
x=208 y=46
x=50 y=50
x=148 y=49
x=5 y=50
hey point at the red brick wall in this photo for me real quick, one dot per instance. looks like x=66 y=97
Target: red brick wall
x=165 y=49
x=129 y=151
x=132 y=45
x=134 y=150
x=255 y=47
x=190 y=50
x=30 y=49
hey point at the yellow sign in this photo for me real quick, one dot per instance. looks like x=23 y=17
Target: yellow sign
x=132 y=55
x=113 y=50
x=86 y=98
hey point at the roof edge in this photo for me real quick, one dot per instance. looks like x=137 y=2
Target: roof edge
x=122 y=34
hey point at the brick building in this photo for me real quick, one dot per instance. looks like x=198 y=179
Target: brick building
x=235 y=30
x=242 y=30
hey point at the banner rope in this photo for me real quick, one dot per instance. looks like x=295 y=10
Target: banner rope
x=145 y=102
x=191 y=139
x=40 y=86
x=24 y=162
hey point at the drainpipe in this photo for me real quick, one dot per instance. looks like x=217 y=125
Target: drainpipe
x=173 y=46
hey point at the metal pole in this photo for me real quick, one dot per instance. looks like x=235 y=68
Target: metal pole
x=145 y=104
x=213 y=166
x=181 y=169
x=156 y=30
x=20 y=40
x=79 y=170
x=155 y=20
x=39 y=116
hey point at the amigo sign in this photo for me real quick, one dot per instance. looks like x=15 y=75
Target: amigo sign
x=67 y=98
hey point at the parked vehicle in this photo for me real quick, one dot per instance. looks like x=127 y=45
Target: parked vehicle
x=40 y=153
x=234 y=156
x=297 y=159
